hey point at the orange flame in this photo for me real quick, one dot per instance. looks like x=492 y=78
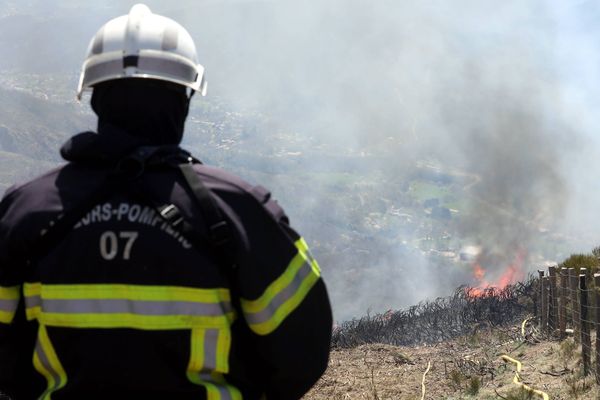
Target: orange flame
x=478 y=272
x=512 y=274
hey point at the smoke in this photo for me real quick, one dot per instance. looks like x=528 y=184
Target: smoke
x=475 y=86
x=497 y=97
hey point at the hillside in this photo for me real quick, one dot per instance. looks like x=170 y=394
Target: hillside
x=35 y=126
x=469 y=367
x=15 y=168
x=465 y=346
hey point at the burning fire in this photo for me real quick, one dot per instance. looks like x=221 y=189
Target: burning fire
x=511 y=274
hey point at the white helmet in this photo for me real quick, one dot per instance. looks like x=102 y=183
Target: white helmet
x=142 y=45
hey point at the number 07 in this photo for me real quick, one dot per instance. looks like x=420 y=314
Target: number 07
x=109 y=244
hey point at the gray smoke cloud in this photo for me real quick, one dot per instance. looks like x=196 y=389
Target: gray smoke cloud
x=476 y=86
x=496 y=97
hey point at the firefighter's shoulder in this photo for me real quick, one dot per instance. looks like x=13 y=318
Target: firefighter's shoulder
x=30 y=197
x=237 y=191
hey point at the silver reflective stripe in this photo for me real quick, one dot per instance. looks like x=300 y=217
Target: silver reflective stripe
x=310 y=257
x=33 y=301
x=103 y=70
x=161 y=66
x=267 y=313
x=207 y=365
x=9 y=305
x=224 y=392
x=211 y=337
x=39 y=350
x=146 y=65
x=139 y=307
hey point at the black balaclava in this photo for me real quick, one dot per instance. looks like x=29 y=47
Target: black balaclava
x=149 y=109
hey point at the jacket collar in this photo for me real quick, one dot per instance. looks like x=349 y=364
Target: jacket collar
x=106 y=147
x=112 y=146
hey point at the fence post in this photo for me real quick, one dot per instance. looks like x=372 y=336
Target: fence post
x=597 y=323
x=573 y=283
x=589 y=278
x=542 y=300
x=553 y=318
x=536 y=295
x=586 y=343
x=562 y=315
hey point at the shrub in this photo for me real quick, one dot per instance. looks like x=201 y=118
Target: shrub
x=577 y=261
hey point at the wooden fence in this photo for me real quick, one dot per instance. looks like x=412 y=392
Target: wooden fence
x=569 y=302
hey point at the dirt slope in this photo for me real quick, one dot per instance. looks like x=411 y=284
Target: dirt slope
x=466 y=368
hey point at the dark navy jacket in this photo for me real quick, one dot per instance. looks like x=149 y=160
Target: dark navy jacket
x=126 y=307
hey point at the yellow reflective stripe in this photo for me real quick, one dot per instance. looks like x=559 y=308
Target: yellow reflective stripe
x=221 y=392
x=131 y=292
x=135 y=321
x=196 y=355
x=303 y=248
x=31 y=291
x=209 y=355
x=9 y=301
x=128 y=306
x=302 y=245
x=10 y=292
x=6 y=317
x=285 y=294
x=252 y=306
x=264 y=328
x=222 y=356
x=46 y=363
x=39 y=367
x=33 y=312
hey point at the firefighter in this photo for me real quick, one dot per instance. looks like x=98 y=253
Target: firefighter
x=135 y=271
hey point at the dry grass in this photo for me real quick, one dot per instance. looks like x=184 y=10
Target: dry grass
x=464 y=368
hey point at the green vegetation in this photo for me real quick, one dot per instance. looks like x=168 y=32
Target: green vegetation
x=567 y=350
x=423 y=190
x=456 y=377
x=577 y=261
x=473 y=386
x=331 y=178
x=447 y=195
x=577 y=386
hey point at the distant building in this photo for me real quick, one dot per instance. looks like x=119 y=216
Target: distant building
x=469 y=253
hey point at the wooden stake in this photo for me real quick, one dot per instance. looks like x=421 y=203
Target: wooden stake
x=543 y=303
x=553 y=303
x=563 y=298
x=586 y=342
x=597 y=324
x=575 y=304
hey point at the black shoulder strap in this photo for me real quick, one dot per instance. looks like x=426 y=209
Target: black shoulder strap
x=218 y=228
x=219 y=234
